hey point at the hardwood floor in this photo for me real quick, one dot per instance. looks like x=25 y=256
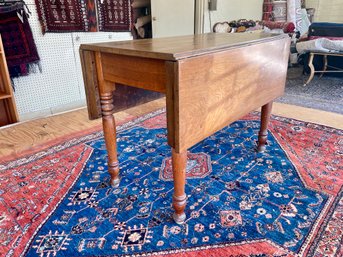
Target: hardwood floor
x=24 y=136
x=21 y=137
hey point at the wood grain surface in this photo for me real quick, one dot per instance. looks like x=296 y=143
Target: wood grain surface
x=140 y=72
x=124 y=97
x=216 y=89
x=108 y=122
x=91 y=83
x=175 y=48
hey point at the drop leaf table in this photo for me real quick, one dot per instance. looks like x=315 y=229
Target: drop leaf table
x=210 y=80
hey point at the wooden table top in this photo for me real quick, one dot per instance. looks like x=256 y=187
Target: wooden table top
x=175 y=48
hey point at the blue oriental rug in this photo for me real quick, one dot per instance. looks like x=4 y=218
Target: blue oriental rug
x=240 y=202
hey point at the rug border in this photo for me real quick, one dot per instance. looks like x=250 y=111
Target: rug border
x=314 y=246
x=197 y=248
x=29 y=242
x=320 y=219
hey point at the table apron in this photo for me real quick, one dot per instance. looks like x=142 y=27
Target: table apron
x=145 y=73
x=214 y=90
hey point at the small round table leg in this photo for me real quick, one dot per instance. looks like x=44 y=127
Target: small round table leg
x=110 y=136
x=179 y=204
x=262 y=135
x=179 y=162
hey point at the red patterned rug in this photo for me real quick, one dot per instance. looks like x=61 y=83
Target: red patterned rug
x=53 y=199
x=114 y=15
x=17 y=38
x=67 y=15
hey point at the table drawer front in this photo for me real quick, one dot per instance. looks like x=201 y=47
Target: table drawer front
x=139 y=72
x=217 y=89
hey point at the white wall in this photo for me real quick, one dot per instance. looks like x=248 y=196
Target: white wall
x=228 y=10
x=327 y=10
x=60 y=85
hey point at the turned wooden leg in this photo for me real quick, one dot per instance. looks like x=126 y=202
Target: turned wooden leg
x=109 y=127
x=179 y=162
x=262 y=135
x=310 y=64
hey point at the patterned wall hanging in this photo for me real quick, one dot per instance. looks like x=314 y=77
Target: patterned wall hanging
x=20 y=49
x=91 y=16
x=280 y=11
x=267 y=10
x=114 y=15
x=66 y=15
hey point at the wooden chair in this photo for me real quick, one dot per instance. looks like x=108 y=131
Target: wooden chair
x=325 y=58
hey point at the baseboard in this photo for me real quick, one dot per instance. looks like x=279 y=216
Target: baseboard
x=52 y=110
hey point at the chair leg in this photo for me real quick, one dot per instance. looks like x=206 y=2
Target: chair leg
x=310 y=64
x=325 y=59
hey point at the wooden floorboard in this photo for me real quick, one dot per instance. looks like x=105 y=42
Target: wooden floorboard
x=21 y=137
x=18 y=138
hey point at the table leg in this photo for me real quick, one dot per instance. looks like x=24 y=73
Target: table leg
x=262 y=135
x=179 y=162
x=109 y=127
x=310 y=64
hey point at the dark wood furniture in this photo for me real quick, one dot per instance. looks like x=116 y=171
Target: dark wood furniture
x=8 y=109
x=209 y=80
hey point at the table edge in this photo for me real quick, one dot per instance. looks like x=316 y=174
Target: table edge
x=176 y=56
